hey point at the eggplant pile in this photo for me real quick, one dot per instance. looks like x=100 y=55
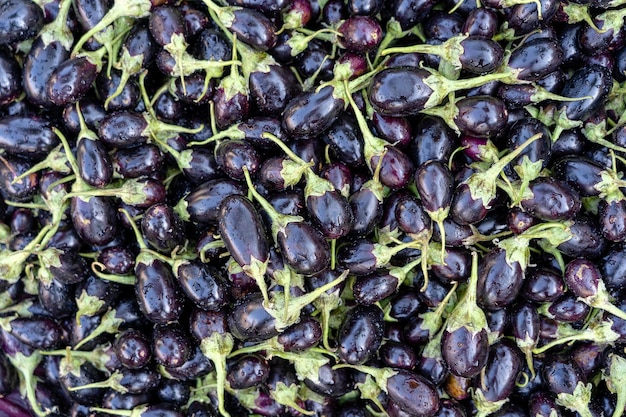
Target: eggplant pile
x=339 y=208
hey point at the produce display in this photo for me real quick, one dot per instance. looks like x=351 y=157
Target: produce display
x=339 y=208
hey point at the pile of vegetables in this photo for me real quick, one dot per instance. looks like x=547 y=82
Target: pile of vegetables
x=341 y=208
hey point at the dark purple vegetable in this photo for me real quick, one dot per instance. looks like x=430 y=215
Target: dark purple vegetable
x=245 y=238
x=21 y=20
x=464 y=344
x=360 y=334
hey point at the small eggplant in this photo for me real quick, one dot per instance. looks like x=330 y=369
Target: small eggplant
x=243 y=234
x=464 y=343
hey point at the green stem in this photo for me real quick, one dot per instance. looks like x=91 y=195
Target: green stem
x=373 y=146
x=121 y=8
x=120 y=279
x=278 y=220
x=57 y=30
x=25 y=366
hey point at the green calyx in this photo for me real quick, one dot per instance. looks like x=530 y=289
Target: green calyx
x=288 y=396
x=598 y=331
x=451 y=50
x=578 y=401
x=442 y=86
x=216 y=348
x=484 y=406
x=433 y=320
x=307 y=364
x=295 y=167
x=517 y=247
x=300 y=41
x=612 y=20
x=25 y=366
x=135 y=412
x=287 y=311
x=374 y=148
x=113 y=382
x=279 y=221
x=483 y=185
x=88 y=305
x=527 y=171
x=224 y=15
x=380 y=375
x=579 y=13
x=58 y=30
x=526 y=345
x=108 y=324
x=370 y=390
x=121 y=8
x=99 y=357
x=56 y=161
x=610 y=186
x=130 y=191
x=615 y=378
x=129 y=65
x=466 y=313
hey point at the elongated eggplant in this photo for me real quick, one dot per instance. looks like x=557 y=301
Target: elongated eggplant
x=202 y=205
x=242 y=231
x=361 y=334
x=71 y=80
x=591 y=81
x=27 y=136
x=311 y=113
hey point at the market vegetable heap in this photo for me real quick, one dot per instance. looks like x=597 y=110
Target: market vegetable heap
x=312 y=208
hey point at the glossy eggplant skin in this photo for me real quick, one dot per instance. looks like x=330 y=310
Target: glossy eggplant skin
x=253 y=28
x=593 y=81
x=481 y=55
x=331 y=382
x=203 y=203
x=10 y=80
x=301 y=336
x=581 y=173
x=204 y=284
x=20 y=20
x=95 y=219
x=432 y=139
x=343 y=138
x=539 y=150
x=249 y=321
x=10 y=168
x=498 y=282
x=271 y=91
x=562 y=374
x=331 y=213
x=304 y=248
x=40 y=63
x=481 y=116
x=242 y=231
x=28 y=136
x=361 y=334
x=157 y=292
x=71 y=80
x=94 y=162
x=123 y=129
x=552 y=200
x=501 y=371
x=413 y=393
x=464 y=351
x=536 y=58
x=587 y=240
x=390 y=95
x=311 y=113
x=543 y=285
